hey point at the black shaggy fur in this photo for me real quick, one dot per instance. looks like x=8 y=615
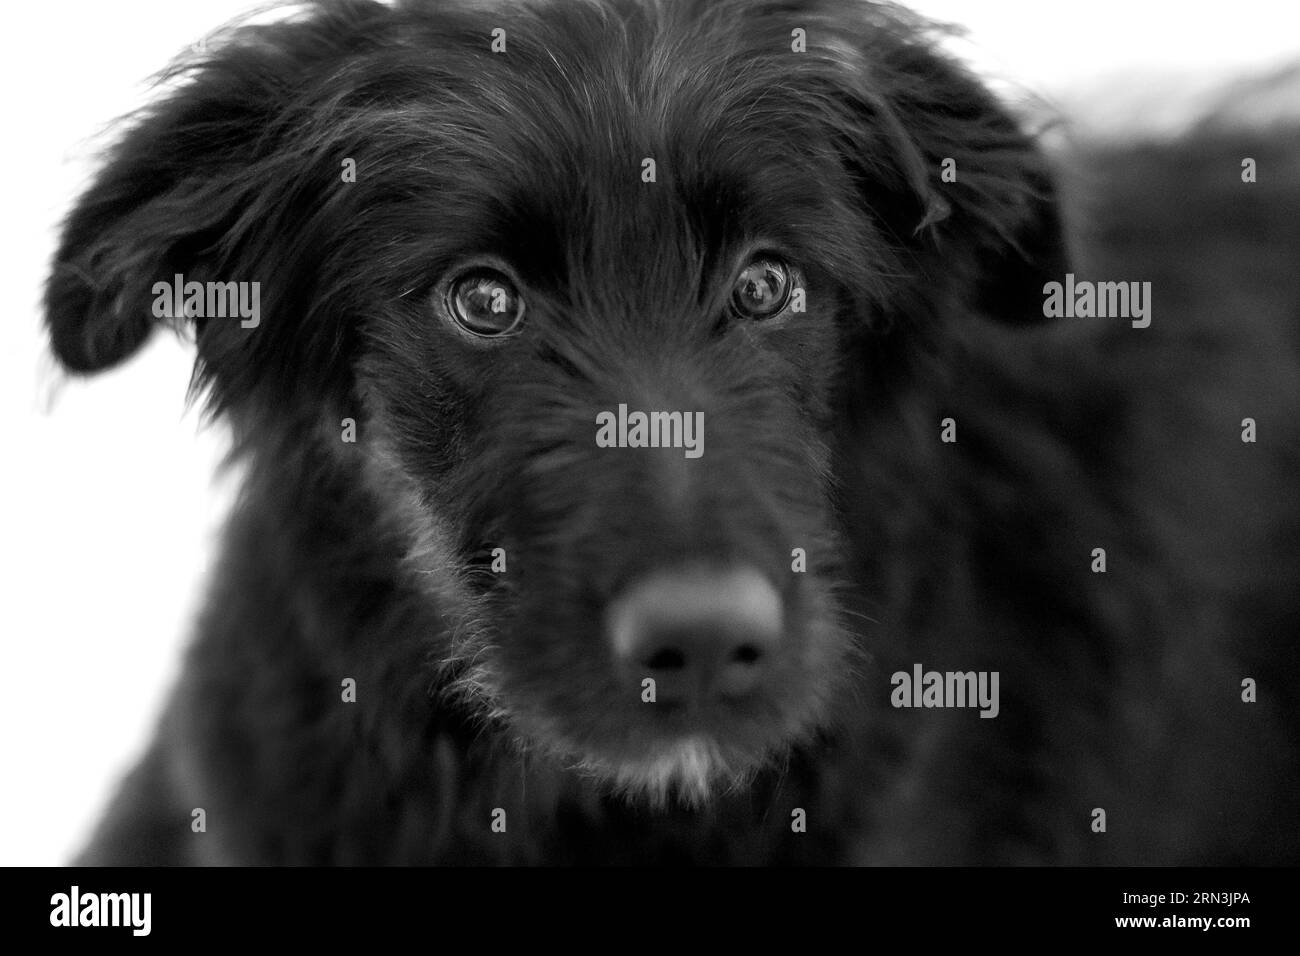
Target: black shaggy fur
x=477 y=690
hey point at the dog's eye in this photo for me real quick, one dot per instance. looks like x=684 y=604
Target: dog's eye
x=485 y=302
x=762 y=289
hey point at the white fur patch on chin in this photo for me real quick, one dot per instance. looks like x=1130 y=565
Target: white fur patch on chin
x=690 y=769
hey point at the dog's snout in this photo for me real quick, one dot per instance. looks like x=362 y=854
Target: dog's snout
x=703 y=635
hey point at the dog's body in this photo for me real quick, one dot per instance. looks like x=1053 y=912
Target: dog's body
x=375 y=682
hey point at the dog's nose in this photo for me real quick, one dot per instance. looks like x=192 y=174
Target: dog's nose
x=703 y=636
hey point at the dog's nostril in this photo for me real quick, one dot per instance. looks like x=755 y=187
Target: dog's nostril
x=672 y=659
x=667 y=659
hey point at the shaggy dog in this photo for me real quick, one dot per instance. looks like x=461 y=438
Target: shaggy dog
x=634 y=395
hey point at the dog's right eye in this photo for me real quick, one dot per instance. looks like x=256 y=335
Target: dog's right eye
x=762 y=289
x=485 y=302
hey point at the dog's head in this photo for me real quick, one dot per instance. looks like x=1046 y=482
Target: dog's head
x=605 y=288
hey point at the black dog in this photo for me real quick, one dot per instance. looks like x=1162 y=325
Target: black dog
x=474 y=607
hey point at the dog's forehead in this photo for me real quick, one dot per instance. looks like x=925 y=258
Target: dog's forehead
x=645 y=128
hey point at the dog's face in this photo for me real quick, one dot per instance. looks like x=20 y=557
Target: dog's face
x=601 y=301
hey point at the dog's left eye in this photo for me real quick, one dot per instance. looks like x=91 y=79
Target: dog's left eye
x=762 y=289
x=485 y=302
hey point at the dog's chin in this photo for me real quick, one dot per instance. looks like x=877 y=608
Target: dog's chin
x=691 y=771
x=690 y=766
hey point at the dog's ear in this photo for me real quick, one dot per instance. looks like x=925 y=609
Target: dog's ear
x=146 y=216
x=200 y=185
x=964 y=189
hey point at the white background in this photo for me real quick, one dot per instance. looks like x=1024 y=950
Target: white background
x=108 y=504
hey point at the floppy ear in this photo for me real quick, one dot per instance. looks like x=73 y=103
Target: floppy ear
x=154 y=210
x=967 y=192
x=1001 y=237
x=219 y=182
